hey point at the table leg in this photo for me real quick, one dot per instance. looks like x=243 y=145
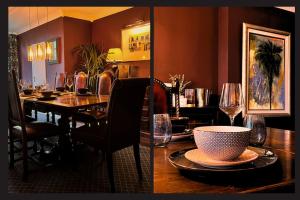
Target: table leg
x=64 y=139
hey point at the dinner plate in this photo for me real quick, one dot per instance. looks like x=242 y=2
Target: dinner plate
x=197 y=156
x=46 y=98
x=265 y=158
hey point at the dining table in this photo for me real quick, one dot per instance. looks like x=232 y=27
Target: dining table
x=278 y=177
x=66 y=104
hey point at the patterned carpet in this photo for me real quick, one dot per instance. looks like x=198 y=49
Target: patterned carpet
x=90 y=174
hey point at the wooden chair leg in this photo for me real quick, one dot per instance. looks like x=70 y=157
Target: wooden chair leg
x=73 y=123
x=11 y=153
x=136 y=149
x=47 y=114
x=110 y=171
x=25 y=161
x=53 y=117
x=35 y=114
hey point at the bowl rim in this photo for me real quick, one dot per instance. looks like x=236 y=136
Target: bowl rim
x=221 y=129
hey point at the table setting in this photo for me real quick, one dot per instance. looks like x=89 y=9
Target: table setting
x=215 y=152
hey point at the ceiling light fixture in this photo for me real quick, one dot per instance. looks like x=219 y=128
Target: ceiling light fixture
x=29 y=48
x=49 y=53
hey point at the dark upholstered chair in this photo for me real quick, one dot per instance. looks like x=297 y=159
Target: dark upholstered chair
x=163 y=104
x=120 y=128
x=80 y=80
x=103 y=87
x=19 y=129
x=162 y=97
x=104 y=83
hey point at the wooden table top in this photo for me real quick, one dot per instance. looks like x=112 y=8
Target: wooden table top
x=167 y=179
x=70 y=100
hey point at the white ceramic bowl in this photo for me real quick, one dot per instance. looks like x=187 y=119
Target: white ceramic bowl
x=222 y=142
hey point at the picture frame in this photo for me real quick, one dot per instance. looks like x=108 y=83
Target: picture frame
x=55 y=48
x=266 y=71
x=136 y=42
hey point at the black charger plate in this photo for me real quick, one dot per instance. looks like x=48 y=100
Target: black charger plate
x=265 y=158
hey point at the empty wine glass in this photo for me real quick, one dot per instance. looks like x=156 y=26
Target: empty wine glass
x=162 y=129
x=231 y=101
x=258 y=129
x=70 y=82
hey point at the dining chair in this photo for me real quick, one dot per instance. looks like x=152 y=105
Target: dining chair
x=80 y=80
x=60 y=80
x=120 y=128
x=163 y=104
x=103 y=87
x=162 y=97
x=19 y=129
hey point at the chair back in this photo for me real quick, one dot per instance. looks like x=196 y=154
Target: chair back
x=60 y=80
x=15 y=112
x=162 y=97
x=104 y=83
x=81 y=80
x=124 y=112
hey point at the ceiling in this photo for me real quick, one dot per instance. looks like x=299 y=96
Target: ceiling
x=19 y=20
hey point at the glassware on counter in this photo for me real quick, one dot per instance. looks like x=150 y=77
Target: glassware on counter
x=162 y=129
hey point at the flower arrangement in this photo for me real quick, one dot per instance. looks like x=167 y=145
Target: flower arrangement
x=182 y=83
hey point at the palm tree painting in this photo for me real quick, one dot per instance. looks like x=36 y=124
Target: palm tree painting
x=266 y=72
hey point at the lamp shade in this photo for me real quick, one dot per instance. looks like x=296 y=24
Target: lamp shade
x=114 y=55
x=29 y=53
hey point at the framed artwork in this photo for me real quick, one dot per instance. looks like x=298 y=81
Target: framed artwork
x=55 y=48
x=136 y=42
x=266 y=71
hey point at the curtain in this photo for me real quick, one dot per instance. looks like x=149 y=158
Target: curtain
x=13 y=58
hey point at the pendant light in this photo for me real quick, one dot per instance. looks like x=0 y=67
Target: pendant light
x=48 y=45
x=40 y=47
x=29 y=48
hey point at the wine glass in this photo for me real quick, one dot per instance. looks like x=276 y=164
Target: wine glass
x=231 y=101
x=258 y=129
x=70 y=82
x=162 y=129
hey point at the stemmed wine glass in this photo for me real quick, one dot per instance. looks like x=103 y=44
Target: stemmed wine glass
x=231 y=101
x=162 y=129
x=70 y=82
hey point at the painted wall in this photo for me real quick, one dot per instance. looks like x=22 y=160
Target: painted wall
x=186 y=42
x=76 y=32
x=107 y=32
x=48 y=31
x=205 y=44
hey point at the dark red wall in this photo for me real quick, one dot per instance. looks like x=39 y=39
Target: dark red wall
x=76 y=32
x=48 y=31
x=107 y=31
x=186 y=42
x=205 y=44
